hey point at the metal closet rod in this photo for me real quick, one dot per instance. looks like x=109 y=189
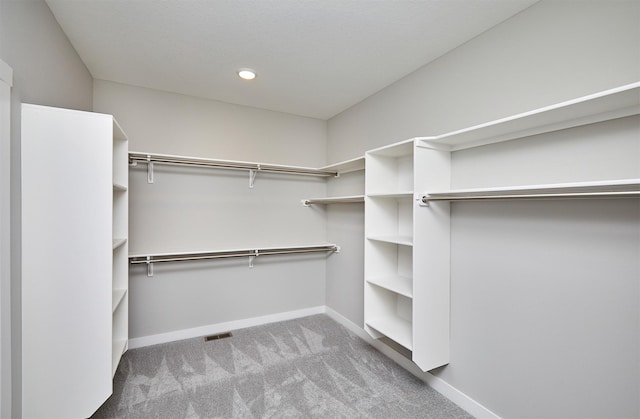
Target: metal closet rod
x=560 y=195
x=137 y=157
x=250 y=253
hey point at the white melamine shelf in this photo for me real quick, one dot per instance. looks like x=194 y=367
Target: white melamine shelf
x=118 y=348
x=118 y=187
x=603 y=106
x=399 y=149
x=118 y=242
x=395 y=328
x=391 y=195
x=402 y=240
x=608 y=189
x=353 y=199
x=347 y=166
x=118 y=295
x=399 y=284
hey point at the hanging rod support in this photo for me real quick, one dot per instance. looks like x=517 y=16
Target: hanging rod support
x=149 y=170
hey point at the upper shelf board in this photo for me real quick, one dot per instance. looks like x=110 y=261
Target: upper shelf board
x=606 y=105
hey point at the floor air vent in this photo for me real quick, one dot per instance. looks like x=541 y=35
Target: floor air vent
x=216 y=337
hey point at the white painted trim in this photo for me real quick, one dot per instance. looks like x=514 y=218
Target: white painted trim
x=438 y=384
x=222 y=327
x=6 y=73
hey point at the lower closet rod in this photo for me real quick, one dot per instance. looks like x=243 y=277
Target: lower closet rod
x=151 y=259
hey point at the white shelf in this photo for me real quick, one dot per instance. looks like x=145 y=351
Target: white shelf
x=609 y=104
x=347 y=166
x=118 y=295
x=399 y=149
x=611 y=188
x=118 y=242
x=402 y=240
x=395 y=328
x=353 y=199
x=399 y=284
x=391 y=195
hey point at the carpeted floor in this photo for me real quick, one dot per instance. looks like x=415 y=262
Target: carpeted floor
x=304 y=368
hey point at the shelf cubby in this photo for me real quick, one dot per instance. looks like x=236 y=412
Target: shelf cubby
x=390 y=314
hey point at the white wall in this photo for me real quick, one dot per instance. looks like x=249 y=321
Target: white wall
x=545 y=301
x=46 y=71
x=200 y=209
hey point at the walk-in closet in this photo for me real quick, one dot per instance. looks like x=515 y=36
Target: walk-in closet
x=407 y=209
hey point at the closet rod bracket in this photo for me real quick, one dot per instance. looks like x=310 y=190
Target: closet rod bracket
x=252 y=175
x=149 y=170
x=149 y=266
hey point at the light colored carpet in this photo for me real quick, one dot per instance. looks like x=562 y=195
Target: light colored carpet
x=304 y=368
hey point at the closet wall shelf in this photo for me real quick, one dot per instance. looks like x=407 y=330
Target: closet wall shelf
x=598 y=107
x=253 y=167
x=119 y=187
x=150 y=259
x=118 y=242
x=347 y=166
x=334 y=200
x=626 y=188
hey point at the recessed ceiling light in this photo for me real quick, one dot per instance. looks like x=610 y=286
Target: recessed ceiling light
x=247 y=73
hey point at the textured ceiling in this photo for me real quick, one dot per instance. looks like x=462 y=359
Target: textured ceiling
x=313 y=57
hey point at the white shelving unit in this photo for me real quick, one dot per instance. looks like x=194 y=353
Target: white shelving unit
x=74 y=259
x=120 y=270
x=399 y=287
x=407 y=216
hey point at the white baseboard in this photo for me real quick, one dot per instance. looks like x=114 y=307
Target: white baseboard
x=465 y=402
x=438 y=384
x=213 y=329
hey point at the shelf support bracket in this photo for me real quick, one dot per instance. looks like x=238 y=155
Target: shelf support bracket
x=252 y=176
x=252 y=258
x=149 y=266
x=149 y=170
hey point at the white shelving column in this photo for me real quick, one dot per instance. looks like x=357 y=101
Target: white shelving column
x=389 y=276
x=407 y=251
x=74 y=259
x=120 y=280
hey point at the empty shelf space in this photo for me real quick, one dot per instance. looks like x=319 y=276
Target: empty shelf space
x=395 y=328
x=353 y=199
x=399 y=284
x=118 y=242
x=402 y=240
x=118 y=296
